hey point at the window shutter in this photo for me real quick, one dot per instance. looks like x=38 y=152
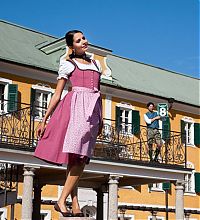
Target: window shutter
x=12 y=97
x=135 y=122
x=33 y=91
x=183 y=132
x=32 y=101
x=117 y=118
x=150 y=185
x=166 y=128
x=196 y=133
x=197 y=182
x=166 y=186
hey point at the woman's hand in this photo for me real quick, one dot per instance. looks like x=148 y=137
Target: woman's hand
x=41 y=129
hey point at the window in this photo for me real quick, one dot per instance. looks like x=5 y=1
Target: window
x=125 y=217
x=40 y=98
x=156 y=187
x=8 y=91
x=3 y=213
x=41 y=103
x=190 y=180
x=127 y=119
x=157 y=218
x=187 y=128
x=45 y=215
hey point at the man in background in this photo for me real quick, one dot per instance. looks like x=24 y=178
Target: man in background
x=153 y=135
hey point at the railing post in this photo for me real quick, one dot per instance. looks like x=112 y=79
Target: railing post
x=118 y=129
x=33 y=123
x=185 y=154
x=140 y=149
x=30 y=125
x=166 y=151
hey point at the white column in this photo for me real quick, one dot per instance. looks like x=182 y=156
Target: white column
x=179 y=209
x=108 y=109
x=113 y=197
x=27 y=196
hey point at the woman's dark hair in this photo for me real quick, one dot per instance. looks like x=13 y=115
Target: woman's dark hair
x=150 y=103
x=69 y=37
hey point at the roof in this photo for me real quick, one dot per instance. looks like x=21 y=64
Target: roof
x=23 y=46
x=145 y=78
x=19 y=44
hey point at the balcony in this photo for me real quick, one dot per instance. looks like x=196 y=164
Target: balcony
x=121 y=158
x=115 y=143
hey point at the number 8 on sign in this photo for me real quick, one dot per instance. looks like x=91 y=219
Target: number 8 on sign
x=163 y=112
x=162 y=109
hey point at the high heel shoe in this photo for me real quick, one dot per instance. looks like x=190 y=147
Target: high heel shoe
x=65 y=214
x=78 y=214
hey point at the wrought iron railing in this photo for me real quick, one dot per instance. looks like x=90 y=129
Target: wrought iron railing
x=8 y=183
x=116 y=143
x=18 y=130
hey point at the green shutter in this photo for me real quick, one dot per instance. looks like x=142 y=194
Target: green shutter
x=117 y=118
x=33 y=91
x=196 y=133
x=166 y=185
x=32 y=101
x=197 y=182
x=166 y=128
x=12 y=97
x=150 y=185
x=135 y=122
x=183 y=132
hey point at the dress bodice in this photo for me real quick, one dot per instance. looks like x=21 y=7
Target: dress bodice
x=85 y=78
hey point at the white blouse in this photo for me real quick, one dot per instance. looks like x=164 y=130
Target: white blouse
x=66 y=67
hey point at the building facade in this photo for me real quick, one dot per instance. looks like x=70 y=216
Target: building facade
x=120 y=181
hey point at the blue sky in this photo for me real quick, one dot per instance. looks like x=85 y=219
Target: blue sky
x=163 y=33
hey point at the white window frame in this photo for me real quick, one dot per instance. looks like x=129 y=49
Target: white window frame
x=5 y=82
x=126 y=107
x=191 y=121
x=4 y=213
x=43 y=90
x=47 y=212
x=192 y=180
x=132 y=217
x=157 y=187
x=157 y=218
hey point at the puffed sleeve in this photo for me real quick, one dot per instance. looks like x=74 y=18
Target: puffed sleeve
x=65 y=68
x=99 y=66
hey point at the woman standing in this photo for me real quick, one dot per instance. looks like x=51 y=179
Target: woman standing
x=71 y=133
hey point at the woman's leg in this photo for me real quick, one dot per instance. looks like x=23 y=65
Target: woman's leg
x=75 y=203
x=74 y=173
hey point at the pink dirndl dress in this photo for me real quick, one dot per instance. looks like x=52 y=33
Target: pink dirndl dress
x=71 y=132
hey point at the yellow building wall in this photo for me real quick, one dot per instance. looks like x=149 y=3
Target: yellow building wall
x=24 y=85
x=141 y=196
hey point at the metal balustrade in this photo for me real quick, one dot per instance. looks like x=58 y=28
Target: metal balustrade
x=116 y=142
